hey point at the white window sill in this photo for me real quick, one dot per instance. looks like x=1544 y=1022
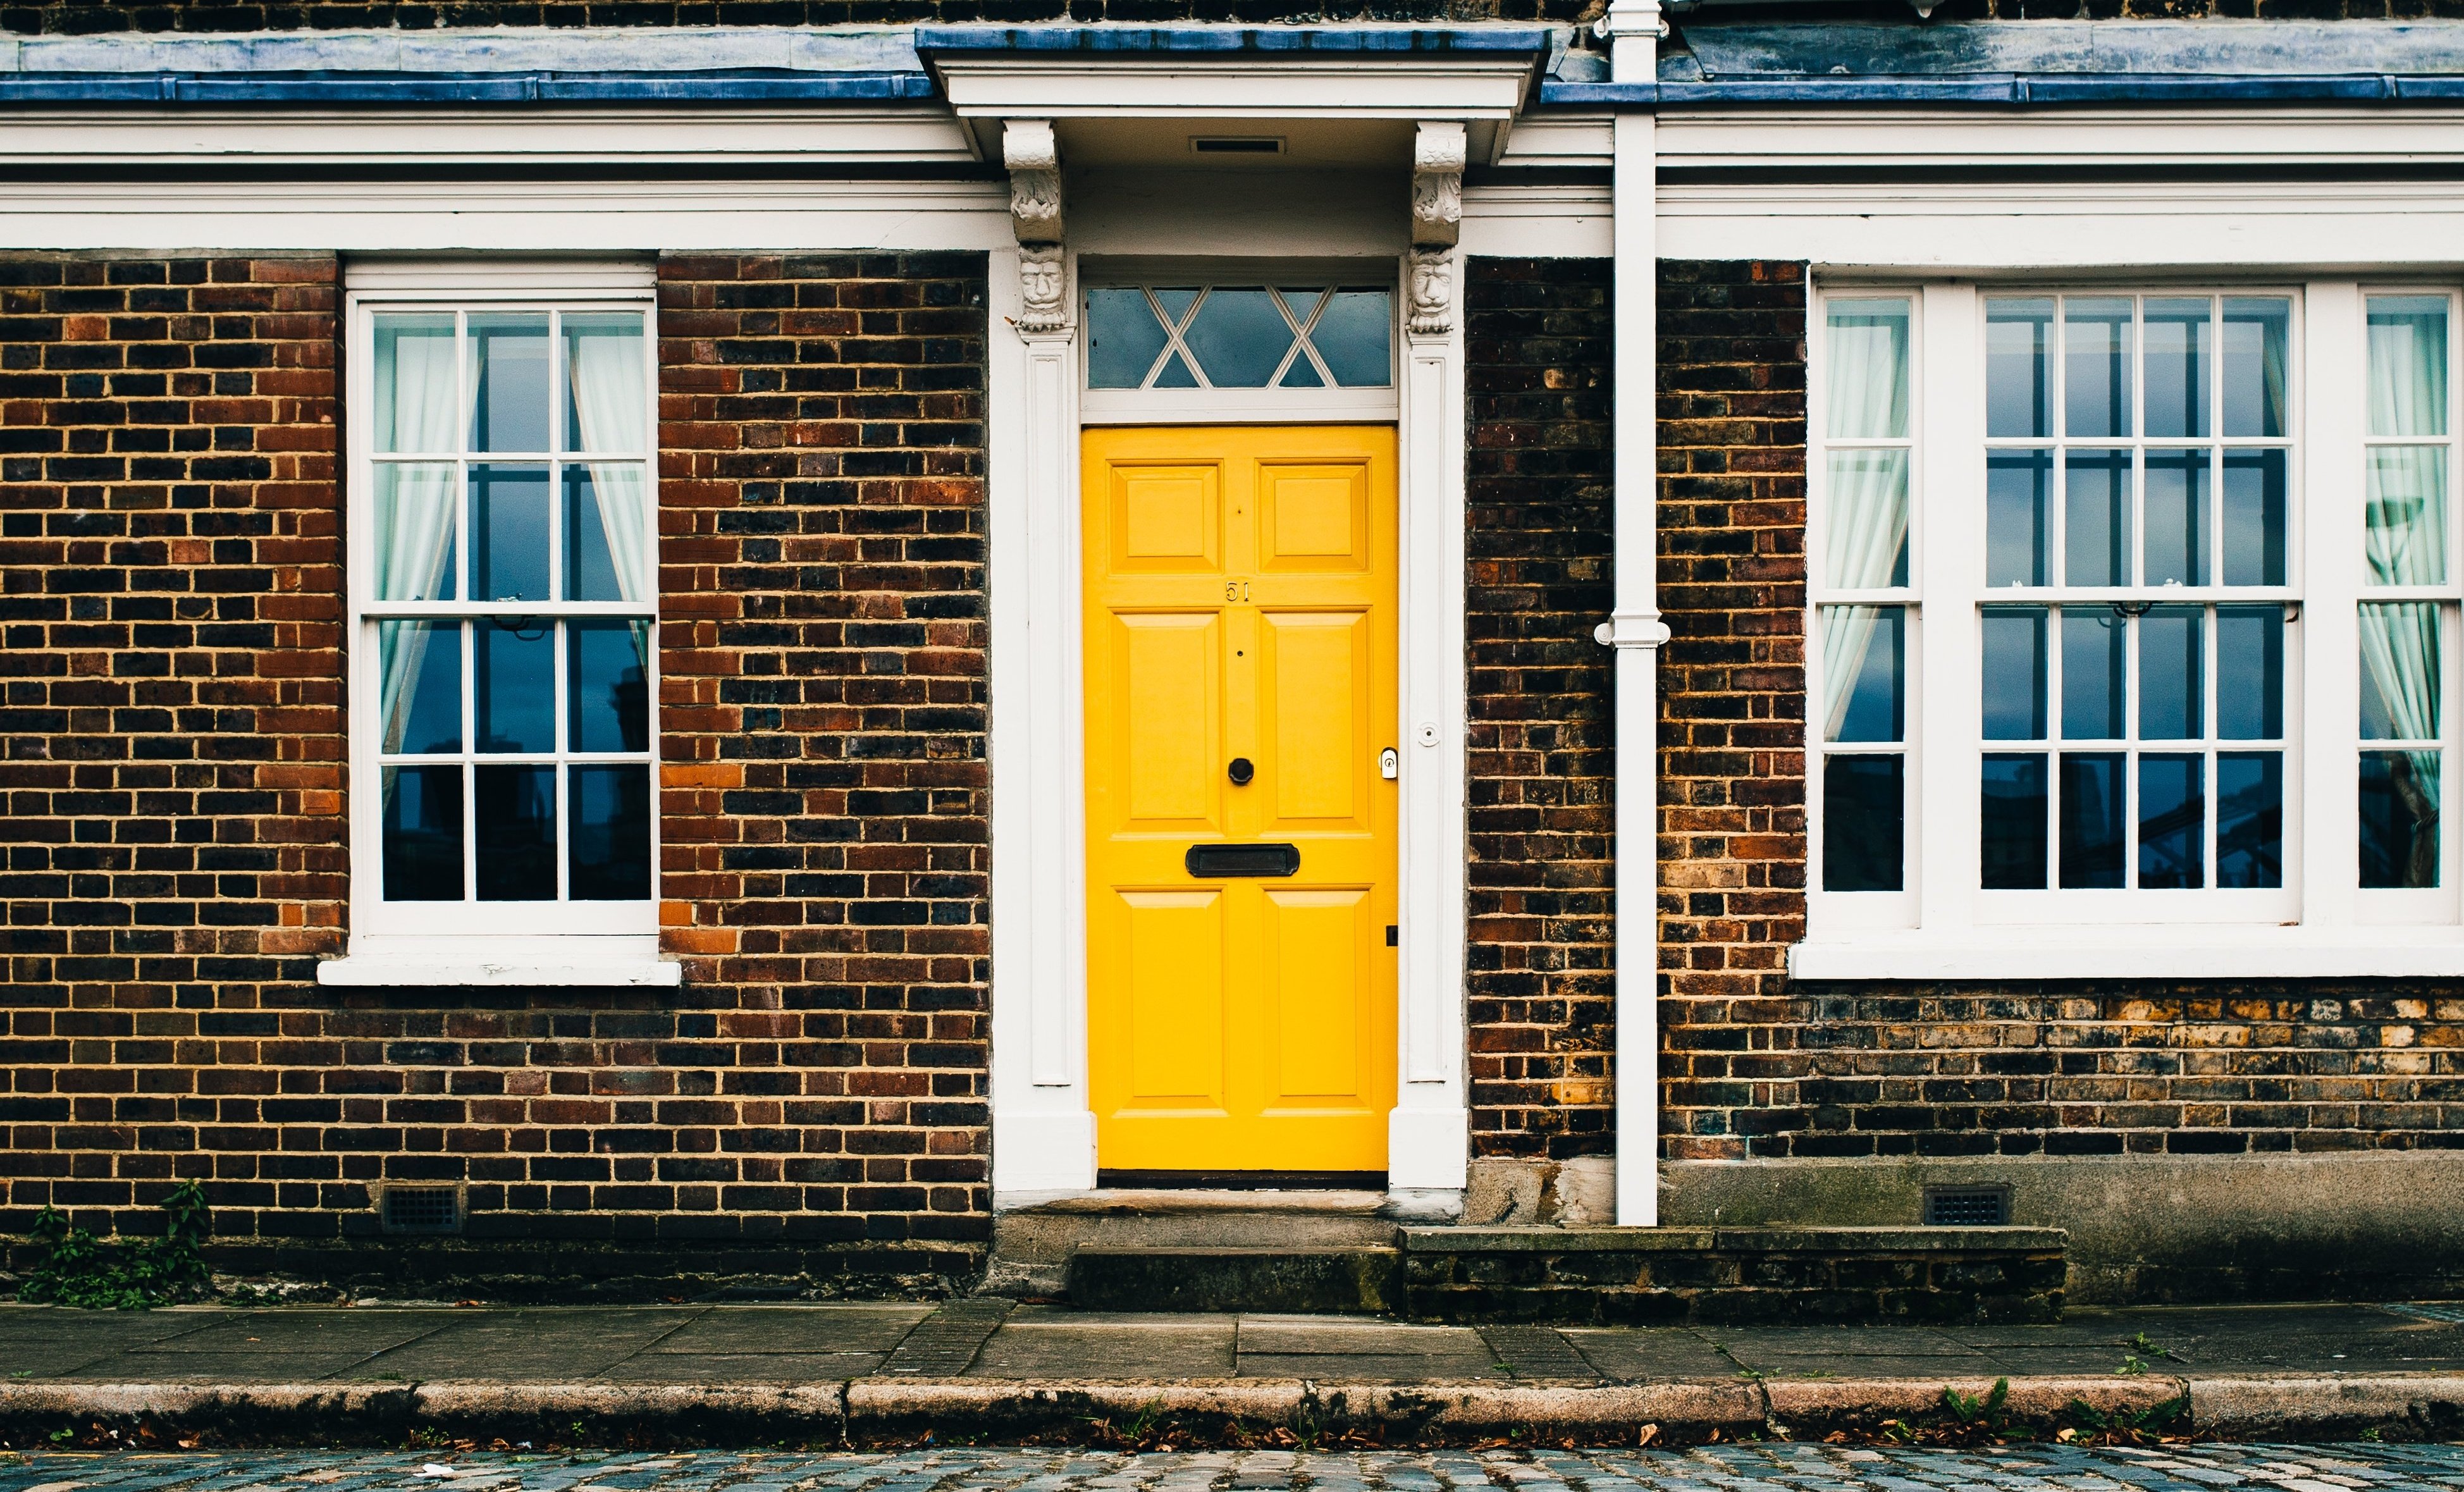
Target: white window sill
x=2153 y=953
x=601 y=969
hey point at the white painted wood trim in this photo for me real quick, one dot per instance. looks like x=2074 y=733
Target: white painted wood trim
x=1428 y=1136
x=2146 y=952
x=1635 y=629
x=1043 y=1132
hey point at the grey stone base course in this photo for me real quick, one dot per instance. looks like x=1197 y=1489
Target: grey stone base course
x=876 y=1412
x=2348 y=1224
x=1728 y=1276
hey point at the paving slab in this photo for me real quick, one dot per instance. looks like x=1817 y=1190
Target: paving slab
x=1046 y=1342
x=877 y=1330
x=1650 y=1354
x=542 y=1344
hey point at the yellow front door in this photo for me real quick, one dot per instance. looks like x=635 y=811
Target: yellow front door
x=1240 y=674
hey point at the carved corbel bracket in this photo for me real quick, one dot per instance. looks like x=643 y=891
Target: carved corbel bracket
x=1033 y=157
x=1439 y=153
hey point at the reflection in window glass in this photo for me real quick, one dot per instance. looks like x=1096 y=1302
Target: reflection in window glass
x=509 y=533
x=419 y=666
x=2249 y=675
x=1123 y=337
x=2015 y=674
x=2174 y=504
x=2097 y=366
x=416 y=384
x=1864 y=819
x=1241 y=337
x=609 y=827
x=2096 y=518
x=2018 y=368
x=1870 y=690
x=513 y=684
x=2172 y=673
x=2172 y=822
x=2249 y=818
x=2259 y=331
x=2093 y=685
x=2012 y=849
x=2399 y=819
x=1356 y=335
x=2091 y=820
x=606 y=686
x=2255 y=518
x=2017 y=513
x=2178 y=358
x=514 y=809
x=422 y=833
x=509 y=382
x=415 y=532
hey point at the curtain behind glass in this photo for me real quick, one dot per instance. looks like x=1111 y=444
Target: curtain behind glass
x=605 y=354
x=2406 y=529
x=1867 y=383
x=1866 y=532
x=418 y=408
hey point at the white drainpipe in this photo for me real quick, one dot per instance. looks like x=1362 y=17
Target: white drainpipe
x=1633 y=629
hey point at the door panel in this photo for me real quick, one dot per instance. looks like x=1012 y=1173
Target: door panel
x=1239 y=594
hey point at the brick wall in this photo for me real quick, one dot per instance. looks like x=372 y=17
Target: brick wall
x=823 y=708
x=170 y=589
x=809 y=1106
x=1541 y=747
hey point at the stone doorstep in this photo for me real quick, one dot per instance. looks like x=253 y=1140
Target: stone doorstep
x=1741 y=1241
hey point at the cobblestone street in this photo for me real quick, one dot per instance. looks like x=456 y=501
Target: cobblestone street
x=1742 y=1468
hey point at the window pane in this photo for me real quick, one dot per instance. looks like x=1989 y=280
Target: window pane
x=2250 y=675
x=1176 y=304
x=1123 y=337
x=2257 y=330
x=1239 y=338
x=509 y=537
x=1175 y=374
x=2018 y=368
x=609 y=829
x=2014 y=674
x=607 y=543
x=2179 y=354
x=421 y=686
x=2092 y=676
x=1863 y=823
x=2399 y=819
x=605 y=408
x=1355 y=336
x=1867 y=541
x=2174 y=506
x=2253 y=518
x=2095 y=367
x=2011 y=855
x=1300 y=373
x=415 y=383
x=606 y=675
x=2173 y=823
x=423 y=832
x=2170 y=674
x=414 y=534
x=514 y=809
x=2018 y=491
x=2091 y=820
x=1868 y=384
x=2408 y=364
x=509 y=373
x=2405 y=532
x=2096 y=517
x=516 y=684
x=1864 y=673
x=2399 y=671
x=2249 y=818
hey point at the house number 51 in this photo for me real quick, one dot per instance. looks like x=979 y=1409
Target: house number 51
x=1235 y=590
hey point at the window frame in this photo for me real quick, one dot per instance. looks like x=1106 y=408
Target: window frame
x=590 y=932
x=1942 y=923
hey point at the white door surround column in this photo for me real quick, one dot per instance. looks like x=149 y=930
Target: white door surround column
x=1633 y=629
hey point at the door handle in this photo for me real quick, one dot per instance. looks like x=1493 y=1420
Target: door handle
x=1241 y=771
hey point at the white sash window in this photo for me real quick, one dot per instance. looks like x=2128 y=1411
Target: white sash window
x=503 y=594
x=2132 y=615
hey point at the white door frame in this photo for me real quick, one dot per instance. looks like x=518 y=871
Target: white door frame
x=1043 y=1132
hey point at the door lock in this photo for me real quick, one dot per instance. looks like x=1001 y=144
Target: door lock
x=1389 y=765
x=1240 y=771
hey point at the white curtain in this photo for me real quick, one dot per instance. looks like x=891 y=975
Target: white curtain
x=1866 y=492
x=2405 y=538
x=608 y=386
x=1867 y=380
x=1868 y=529
x=420 y=407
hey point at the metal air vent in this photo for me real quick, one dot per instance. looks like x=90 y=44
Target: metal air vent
x=420 y=1209
x=1237 y=145
x=1967 y=1206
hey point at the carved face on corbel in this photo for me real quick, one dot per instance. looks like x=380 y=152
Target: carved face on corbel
x=1042 y=288
x=1432 y=291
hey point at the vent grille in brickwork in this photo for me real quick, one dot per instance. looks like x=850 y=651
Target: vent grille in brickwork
x=1967 y=1206
x=422 y=1209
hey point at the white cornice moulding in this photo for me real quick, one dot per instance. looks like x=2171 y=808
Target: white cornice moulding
x=2135 y=953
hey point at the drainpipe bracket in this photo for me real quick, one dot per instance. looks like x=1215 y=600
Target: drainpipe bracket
x=1632 y=629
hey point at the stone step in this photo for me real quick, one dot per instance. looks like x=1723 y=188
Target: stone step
x=1352 y=1280
x=1032 y=1245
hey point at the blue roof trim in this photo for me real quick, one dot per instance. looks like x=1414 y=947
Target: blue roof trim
x=228 y=88
x=2058 y=89
x=1343 y=40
